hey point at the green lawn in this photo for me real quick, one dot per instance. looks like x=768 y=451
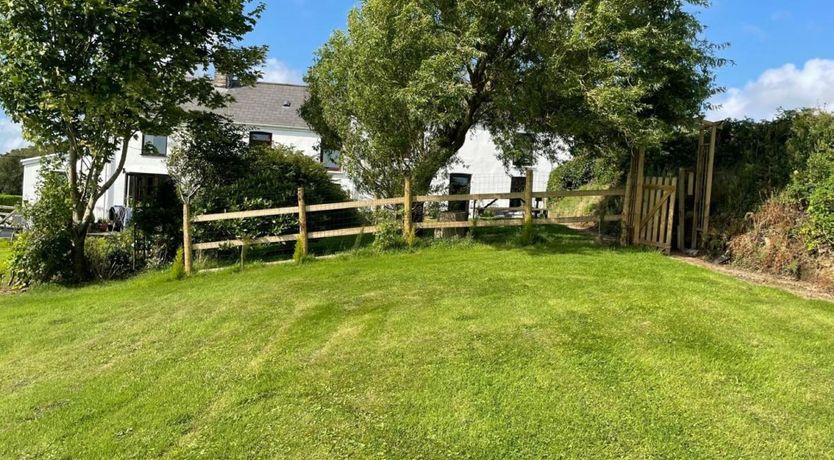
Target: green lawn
x=5 y=253
x=479 y=351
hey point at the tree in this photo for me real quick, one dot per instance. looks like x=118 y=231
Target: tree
x=11 y=171
x=85 y=77
x=209 y=148
x=401 y=88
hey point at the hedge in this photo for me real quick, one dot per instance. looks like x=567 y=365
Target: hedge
x=10 y=200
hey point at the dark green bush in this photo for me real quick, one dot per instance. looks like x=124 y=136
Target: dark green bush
x=41 y=253
x=110 y=257
x=158 y=223
x=10 y=200
x=269 y=178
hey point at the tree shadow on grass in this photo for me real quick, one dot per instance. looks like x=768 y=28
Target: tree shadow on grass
x=547 y=240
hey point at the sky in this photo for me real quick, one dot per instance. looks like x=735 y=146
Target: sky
x=782 y=52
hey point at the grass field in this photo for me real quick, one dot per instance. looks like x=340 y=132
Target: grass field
x=5 y=253
x=475 y=350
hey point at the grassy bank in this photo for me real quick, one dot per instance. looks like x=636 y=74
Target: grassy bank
x=481 y=350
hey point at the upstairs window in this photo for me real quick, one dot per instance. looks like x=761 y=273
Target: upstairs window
x=260 y=138
x=154 y=145
x=330 y=159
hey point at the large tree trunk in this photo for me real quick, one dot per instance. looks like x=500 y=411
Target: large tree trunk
x=80 y=267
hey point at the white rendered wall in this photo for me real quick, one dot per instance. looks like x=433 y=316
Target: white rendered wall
x=477 y=157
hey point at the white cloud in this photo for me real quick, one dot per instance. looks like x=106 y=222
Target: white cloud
x=276 y=71
x=786 y=87
x=10 y=135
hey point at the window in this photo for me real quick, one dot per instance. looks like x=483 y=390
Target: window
x=460 y=184
x=517 y=185
x=260 y=138
x=330 y=159
x=154 y=145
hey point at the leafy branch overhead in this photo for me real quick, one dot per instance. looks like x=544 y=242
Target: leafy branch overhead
x=85 y=77
x=401 y=88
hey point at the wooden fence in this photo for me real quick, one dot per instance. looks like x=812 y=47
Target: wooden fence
x=5 y=213
x=303 y=210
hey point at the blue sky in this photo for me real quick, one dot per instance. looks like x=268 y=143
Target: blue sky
x=783 y=51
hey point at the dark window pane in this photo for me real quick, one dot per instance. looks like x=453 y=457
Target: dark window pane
x=260 y=138
x=517 y=185
x=459 y=184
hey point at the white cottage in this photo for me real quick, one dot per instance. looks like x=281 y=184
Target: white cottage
x=269 y=113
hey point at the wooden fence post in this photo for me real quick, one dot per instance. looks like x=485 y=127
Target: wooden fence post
x=528 y=197
x=302 y=222
x=408 y=199
x=681 y=209
x=627 y=223
x=637 y=216
x=186 y=238
x=708 y=186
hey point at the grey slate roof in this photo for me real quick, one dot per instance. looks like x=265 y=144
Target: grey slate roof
x=263 y=104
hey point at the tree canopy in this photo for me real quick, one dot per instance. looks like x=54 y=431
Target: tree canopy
x=400 y=89
x=11 y=171
x=84 y=77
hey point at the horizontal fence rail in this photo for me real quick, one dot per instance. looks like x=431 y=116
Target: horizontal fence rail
x=533 y=215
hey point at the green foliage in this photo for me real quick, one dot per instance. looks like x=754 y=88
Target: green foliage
x=528 y=234
x=401 y=88
x=389 y=232
x=752 y=163
x=41 y=253
x=209 y=153
x=811 y=148
x=269 y=178
x=158 y=222
x=10 y=200
x=583 y=168
x=178 y=267
x=87 y=76
x=11 y=171
x=110 y=257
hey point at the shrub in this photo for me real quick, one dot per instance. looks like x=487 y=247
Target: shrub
x=10 y=200
x=158 y=221
x=41 y=253
x=110 y=257
x=773 y=242
x=178 y=267
x=389 y=234
x=812 y=148
x=269 y=178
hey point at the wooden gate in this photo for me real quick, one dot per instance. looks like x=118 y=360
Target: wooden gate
x=655 y=213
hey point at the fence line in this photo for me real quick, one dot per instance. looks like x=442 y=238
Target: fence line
x=302 y=210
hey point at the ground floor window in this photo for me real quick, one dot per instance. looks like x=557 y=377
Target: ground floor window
x=459 y=184
x=147 y=189
x=517 y=185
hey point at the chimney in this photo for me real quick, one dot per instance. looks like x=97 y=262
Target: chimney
x=221 y=80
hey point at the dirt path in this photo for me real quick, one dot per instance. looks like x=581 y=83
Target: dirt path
x=801 y=288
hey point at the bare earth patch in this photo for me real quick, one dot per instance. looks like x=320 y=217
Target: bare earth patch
x=803 y=289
